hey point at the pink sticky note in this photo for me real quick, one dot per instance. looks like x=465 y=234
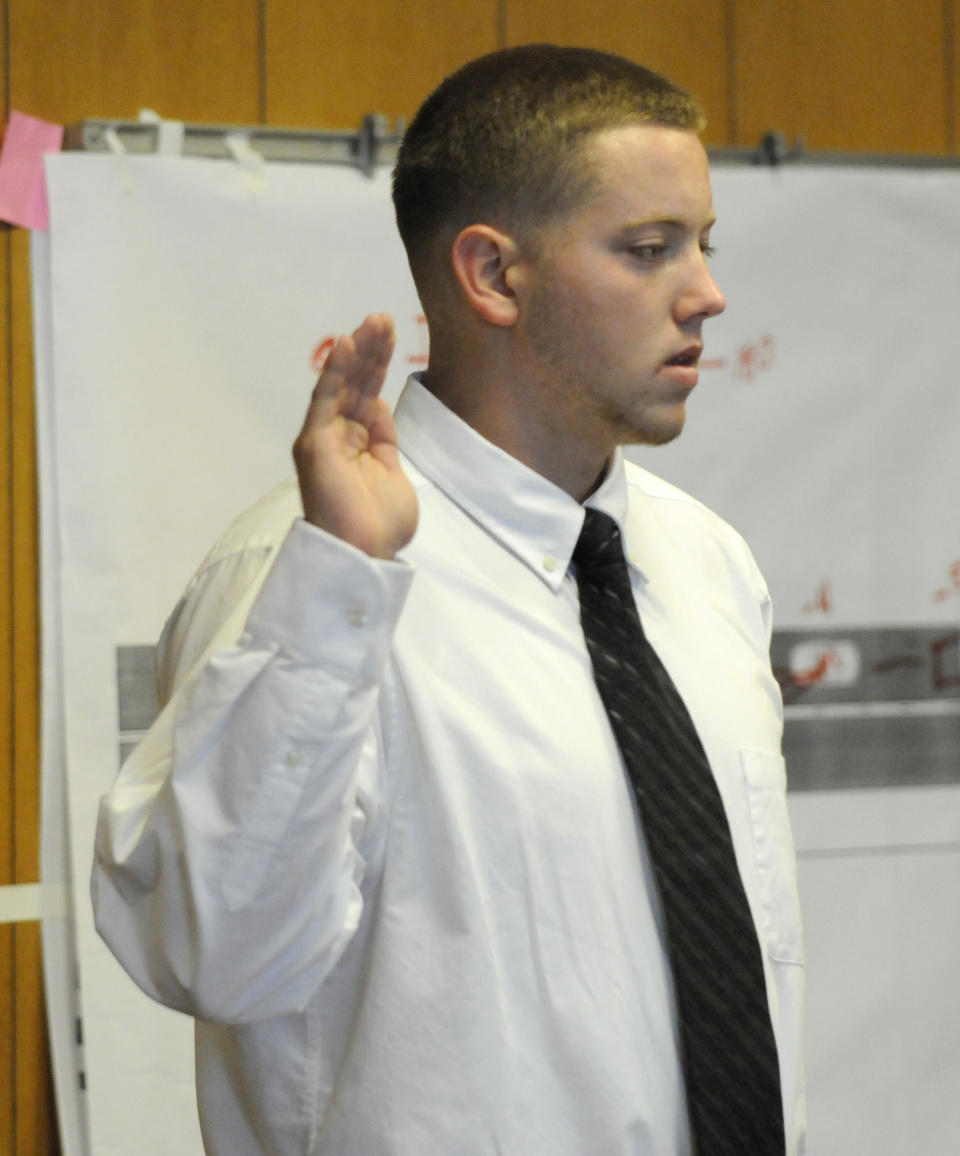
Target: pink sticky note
x=23 y=188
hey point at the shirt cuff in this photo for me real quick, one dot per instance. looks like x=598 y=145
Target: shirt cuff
x=328 y=604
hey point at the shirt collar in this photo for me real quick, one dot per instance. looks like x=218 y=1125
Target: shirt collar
x=529 y=515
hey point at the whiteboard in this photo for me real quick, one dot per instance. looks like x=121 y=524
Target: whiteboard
x=179 y=304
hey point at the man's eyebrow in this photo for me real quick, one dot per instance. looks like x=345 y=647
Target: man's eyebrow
x=668 y=222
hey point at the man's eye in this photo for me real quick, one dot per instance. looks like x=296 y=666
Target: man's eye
x=707 y=249
x=649 y=252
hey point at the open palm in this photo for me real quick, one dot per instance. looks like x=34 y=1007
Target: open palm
x=351 y=481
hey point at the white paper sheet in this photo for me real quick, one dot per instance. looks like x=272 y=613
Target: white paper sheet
x=184 y=304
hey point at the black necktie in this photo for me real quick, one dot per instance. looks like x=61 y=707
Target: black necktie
x=727 y=1045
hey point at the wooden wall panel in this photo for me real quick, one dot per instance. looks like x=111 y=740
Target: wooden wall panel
x=7 y=796
x=7 y=792
x=35 y=1124
x=686 y=40
x=24 y=570
x=26 y=1105
x=952 y=57
x=327 y=65
x=8 y=1040
x=31 y=1116
x=859 y=75
x=186 y=60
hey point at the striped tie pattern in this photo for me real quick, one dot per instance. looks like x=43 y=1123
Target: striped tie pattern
x=727 y=1044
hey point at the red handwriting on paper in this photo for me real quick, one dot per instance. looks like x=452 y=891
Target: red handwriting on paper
x=318 y=359
x=822 y=600
x=952 y=590
x=816 y=662
x=754 y=358
x=818 y=672
x=420 y=357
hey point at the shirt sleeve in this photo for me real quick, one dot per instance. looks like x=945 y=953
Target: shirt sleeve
x=231 y=849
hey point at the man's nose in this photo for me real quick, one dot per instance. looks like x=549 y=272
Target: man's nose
x=701 y=296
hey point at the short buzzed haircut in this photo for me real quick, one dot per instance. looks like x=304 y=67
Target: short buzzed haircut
x=500 y=141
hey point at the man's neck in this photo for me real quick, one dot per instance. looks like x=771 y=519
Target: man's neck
x=514 y=415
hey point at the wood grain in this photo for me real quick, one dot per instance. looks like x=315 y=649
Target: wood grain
x=8 y=1036
x=686 y=40
x=7 y=795
x=24 y=569
x=951 y=49
x=110 y=58
x=858 y=75
x=31 y=1117
x=329 y=65
x=36 y=1132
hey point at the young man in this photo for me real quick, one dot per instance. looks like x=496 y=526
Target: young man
x=381 y=843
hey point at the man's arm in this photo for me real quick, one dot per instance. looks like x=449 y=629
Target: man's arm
x=231 y=850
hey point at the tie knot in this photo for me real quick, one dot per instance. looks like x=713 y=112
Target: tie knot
x=599 y=543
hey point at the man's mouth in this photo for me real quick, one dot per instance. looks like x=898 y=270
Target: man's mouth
x=688 y=356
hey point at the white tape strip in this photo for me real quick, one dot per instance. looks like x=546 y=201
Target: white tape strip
x=114 y=143
x=24 y=902
x=249 y=160
x=170 y=133
x=117 y=148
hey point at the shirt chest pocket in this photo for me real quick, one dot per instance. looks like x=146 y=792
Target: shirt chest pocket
x=765 y=780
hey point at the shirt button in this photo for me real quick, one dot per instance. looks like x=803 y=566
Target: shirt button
x=357 y=616
x=293 y=758
x=549 y=564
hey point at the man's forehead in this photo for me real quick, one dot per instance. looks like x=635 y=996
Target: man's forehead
x=653 y=147
x=650 y=172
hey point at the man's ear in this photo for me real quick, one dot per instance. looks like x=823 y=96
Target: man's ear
x=484 y=261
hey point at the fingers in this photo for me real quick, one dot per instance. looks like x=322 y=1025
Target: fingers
x=359 y=362
x=354 y=372
x=351 y=379
x=351 y=480
x=373 y=342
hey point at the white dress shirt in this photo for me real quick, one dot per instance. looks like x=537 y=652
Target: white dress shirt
x=380 y=841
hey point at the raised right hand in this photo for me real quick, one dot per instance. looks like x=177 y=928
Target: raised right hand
x=351 y=481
